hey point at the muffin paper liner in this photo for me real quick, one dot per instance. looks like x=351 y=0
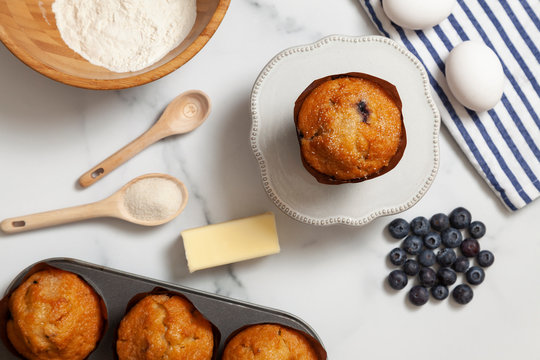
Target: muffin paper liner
x=319 y=349
x=5 y=314
x=390 y=89
x=162 y=291
x=119 y=291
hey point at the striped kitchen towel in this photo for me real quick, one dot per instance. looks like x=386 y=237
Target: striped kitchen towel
x=503 y=143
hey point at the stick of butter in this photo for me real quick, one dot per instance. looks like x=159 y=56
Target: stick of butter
x=231 y=241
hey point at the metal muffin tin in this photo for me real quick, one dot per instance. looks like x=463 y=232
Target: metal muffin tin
x=117 y=288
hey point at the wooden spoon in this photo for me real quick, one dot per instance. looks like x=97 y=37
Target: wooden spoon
x=113 y=206
x=185 y=113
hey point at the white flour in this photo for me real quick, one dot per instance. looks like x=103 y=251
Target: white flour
x=124 y=35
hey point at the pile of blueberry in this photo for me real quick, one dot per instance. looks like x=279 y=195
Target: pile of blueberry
x=437 y=271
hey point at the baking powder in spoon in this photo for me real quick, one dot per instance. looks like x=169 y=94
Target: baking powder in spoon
x=153 y=199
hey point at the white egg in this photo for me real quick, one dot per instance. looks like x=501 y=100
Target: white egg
x=475 y=75
x=418 y=14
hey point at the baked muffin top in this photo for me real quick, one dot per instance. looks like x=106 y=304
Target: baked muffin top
x=269 y=342
x=349 y=128
x=164 y=327
x=55 y=315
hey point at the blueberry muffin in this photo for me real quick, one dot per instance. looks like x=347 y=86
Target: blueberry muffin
x=55 y=315
x=269 y=342
x=350 y=128
x=164 y=327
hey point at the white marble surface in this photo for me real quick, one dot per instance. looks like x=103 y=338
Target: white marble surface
x=332 y=277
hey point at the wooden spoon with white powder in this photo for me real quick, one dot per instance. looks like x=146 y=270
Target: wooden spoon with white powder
x=150 y=200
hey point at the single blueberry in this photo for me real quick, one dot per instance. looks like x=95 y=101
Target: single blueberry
x=463 y=294
x=363 y=110
x=439 y=292
x=477 y=229
x=440 y=222
x=427 y=277
x=475 y=275
x=420 y=225
x=446 y=276
x=446 y=257
x=485 y=258
x=397 y=256
x=411 y=267
x=397 y=279
x=418 y=295
x=451 y=237
x=398 y=228
x=470 y=247
x=460 y=218
x=413 y=244
x=461 y=264
x=432 y=240
x=427 y=257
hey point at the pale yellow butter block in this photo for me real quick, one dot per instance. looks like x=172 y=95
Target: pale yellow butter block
x=231 y=241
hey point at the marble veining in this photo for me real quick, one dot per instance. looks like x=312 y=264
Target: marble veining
x=286 y=24
x=333 y=277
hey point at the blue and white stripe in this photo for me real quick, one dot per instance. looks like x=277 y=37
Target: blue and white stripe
x=504 y=143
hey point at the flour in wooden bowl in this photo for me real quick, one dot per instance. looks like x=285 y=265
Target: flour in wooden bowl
x=124 y=35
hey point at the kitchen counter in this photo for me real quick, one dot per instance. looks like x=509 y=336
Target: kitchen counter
x=332 y=277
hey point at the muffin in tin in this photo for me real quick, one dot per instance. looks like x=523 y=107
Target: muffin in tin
x=349 y=128
x=164 y=326
x=54 y=314
x=269 y=342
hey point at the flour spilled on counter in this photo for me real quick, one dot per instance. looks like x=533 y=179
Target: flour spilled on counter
x=124 y=35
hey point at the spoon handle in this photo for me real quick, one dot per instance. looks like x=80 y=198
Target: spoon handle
x=155 y=133
x=54 y=217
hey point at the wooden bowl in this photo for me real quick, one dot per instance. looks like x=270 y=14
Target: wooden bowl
x=28 y=29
